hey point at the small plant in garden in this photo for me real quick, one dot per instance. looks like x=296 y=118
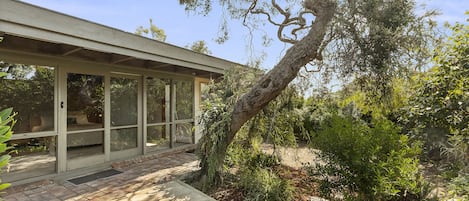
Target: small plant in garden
x=6 y=124
x=260 y=182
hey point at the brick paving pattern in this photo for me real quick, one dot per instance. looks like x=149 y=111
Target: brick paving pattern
x=138 y=182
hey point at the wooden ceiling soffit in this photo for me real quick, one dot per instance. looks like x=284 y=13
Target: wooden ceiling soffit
x=163 y=65
x=114 y=60
x=69 y=52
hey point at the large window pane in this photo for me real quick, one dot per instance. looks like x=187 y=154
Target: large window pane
x=158 y=137
x=124 y=97
x=122 y=139
x=85 y=144
x=32 y=157
x=158 y=100
x=184 y=134
x=85 y=99
x=184 y=99
x=29 y=89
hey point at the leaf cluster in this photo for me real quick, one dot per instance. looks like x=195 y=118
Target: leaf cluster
x=6 y=124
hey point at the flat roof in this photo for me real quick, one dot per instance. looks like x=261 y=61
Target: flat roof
x=29 y=28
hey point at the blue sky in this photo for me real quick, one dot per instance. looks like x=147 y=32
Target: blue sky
x=182 y=28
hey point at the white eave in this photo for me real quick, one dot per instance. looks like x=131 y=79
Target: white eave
x=69 y=36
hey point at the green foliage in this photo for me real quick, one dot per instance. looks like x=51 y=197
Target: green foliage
x=438 y=112
x=262 y=184
x=6 y=124
x=152 y=32
x=277 y=123
x=368 y=162
x=199 y=46
x=459 y=187
x=216 y=120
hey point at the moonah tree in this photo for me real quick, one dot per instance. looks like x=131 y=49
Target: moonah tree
x=370 y=40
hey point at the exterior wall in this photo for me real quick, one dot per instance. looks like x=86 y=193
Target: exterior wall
x=60 y=132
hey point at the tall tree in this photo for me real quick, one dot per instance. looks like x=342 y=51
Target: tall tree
x=362 y=38
x=152 y=32
x=199 y=46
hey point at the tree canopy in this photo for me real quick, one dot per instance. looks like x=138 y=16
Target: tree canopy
x=152 y=32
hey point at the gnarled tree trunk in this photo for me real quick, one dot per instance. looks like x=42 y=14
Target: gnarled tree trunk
x=277 y=79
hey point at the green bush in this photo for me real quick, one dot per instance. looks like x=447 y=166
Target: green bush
x=459 y=187
x=263 y=184
x=6 y=124
x=366 y=161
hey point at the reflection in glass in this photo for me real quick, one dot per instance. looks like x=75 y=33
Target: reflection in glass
x=29 y=89
x=85 y=144
x=203 y=92
x=158 y=137
x=122 y=139
x=184 y=134
x=35 y=156
x=184 y=99
x=124 y=97
x=85 y=101
x=157 y=100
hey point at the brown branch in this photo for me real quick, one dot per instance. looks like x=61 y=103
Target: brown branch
x=253 y=5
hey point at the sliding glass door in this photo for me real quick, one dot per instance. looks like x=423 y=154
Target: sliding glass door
x=85 y=119
x=125 y=116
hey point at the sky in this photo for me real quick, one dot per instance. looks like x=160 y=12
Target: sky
x=184 y=28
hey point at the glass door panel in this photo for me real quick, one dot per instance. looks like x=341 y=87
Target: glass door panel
x=158 y=113
x=85 y=115
x=124 y=113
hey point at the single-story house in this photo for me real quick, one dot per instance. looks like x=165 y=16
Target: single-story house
x=88 y=95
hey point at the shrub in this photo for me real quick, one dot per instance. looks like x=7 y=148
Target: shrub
x=366 y=161
x=264 y=184
x=459 y=187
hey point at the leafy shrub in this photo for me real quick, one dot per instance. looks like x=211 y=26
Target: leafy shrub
x=6 y=124
x=366 y=161
x=438 y=111
x=263 y=184
x=459 y=186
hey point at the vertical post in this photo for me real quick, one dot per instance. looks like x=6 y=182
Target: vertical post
x=61 y=85
x=144 y=114
x=107 y=117
x=173 y=113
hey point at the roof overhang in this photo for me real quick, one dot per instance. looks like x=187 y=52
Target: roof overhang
x=32 y=29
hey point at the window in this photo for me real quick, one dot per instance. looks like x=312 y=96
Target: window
x=158 y=115
x=124 y=113
x=184 y=99
x=29 y=89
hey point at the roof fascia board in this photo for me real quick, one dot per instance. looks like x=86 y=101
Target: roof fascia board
x=39 y=23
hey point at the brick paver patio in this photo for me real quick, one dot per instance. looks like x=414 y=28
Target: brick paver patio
x=140 y=181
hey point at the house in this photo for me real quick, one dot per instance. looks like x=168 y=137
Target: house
x=88 y=95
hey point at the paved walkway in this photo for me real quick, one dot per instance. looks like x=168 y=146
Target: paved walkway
x=150 y=180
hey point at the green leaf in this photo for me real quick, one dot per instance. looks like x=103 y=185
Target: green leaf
x=4 y=129
x=5 y=114
x=3 y=147
x=4 y=160
x=5 y=137
x=4 y=186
